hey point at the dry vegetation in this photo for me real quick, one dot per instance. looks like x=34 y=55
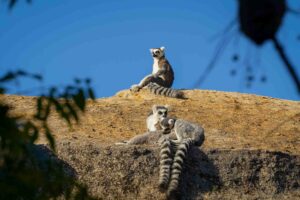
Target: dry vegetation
x=231 y=120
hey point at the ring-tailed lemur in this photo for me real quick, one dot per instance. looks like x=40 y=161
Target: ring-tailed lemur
x=151 y=137
x=162 y=77
x=187 y=134
x=157 y=114
x=155 y=130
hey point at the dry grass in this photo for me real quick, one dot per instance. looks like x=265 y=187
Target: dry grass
x=231 y=120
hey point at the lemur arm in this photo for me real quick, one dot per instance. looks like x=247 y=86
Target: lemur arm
x=149 y=78
x=145 y=81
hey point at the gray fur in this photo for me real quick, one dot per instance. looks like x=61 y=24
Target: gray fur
x=151 y=137
x=146 y=138
x=184 y=130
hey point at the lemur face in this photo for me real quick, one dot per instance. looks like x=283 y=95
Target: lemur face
x=160 y=111
x=158 y=52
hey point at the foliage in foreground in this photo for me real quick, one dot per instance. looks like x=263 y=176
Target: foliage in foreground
x=29 y=171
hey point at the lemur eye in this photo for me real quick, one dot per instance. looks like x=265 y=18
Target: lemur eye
x=160 y=113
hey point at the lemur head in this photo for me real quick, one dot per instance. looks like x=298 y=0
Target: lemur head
x=167 y=123
x=158 y=52
x=160 y=111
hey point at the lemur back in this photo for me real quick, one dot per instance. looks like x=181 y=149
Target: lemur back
x=164 y=69
x=188 y=130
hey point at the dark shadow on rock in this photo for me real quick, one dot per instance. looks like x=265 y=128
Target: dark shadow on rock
x=59 y=175
x=132 y=172
x=41 y=175
x=199 y=176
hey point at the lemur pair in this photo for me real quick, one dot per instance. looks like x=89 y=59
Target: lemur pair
x=175 y=136
x=162 y=77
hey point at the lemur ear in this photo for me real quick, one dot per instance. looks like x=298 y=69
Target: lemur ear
x=171 y=121
x=151 y=50
x=162 y=48
x=154 y=107
x=168 y=107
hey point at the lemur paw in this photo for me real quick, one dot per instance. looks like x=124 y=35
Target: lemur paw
x=135 y=88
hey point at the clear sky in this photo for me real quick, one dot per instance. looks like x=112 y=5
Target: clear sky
x=109 y=41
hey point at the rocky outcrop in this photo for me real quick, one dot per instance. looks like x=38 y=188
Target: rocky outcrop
x=131 y=172
x=251 y=151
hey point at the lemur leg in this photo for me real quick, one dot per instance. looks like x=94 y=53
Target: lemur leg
x=145 y=81
x=139 y=139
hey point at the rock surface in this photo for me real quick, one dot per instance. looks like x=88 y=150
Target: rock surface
x=251 y=151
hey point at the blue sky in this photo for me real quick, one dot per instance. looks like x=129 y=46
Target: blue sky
x=109 y=40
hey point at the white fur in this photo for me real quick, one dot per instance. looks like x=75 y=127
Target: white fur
x=155 y=66
x=155 y=63
x=151 y=121
x=154 y=118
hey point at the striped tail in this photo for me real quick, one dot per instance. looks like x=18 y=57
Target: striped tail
x=169 y=92
x=177 y=166
x=165 y=164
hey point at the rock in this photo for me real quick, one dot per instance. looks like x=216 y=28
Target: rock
x=251 y=149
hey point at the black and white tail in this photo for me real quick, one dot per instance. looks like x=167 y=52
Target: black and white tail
x=169 y=92
x=165 y=164
x=176 y=170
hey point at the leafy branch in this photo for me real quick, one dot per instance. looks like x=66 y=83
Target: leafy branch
x=22 y=176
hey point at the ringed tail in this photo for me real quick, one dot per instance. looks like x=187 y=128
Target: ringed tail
x=177 y=166
x=169 y=92
x=165 y=164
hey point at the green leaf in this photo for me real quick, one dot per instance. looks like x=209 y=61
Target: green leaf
x=52 y=92
x=79 y=99
x=88 y=81
x=47 y=111
x=2 y=90
x=21 y=73
x=39 y=107
x=11 y=4
x=8 y=77
x=77 y=81
x=72 y=111
x=37 y=77
x=61 y=111
x=50 y=138
x=91 y=93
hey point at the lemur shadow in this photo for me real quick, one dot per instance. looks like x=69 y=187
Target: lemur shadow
x=199 y=176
